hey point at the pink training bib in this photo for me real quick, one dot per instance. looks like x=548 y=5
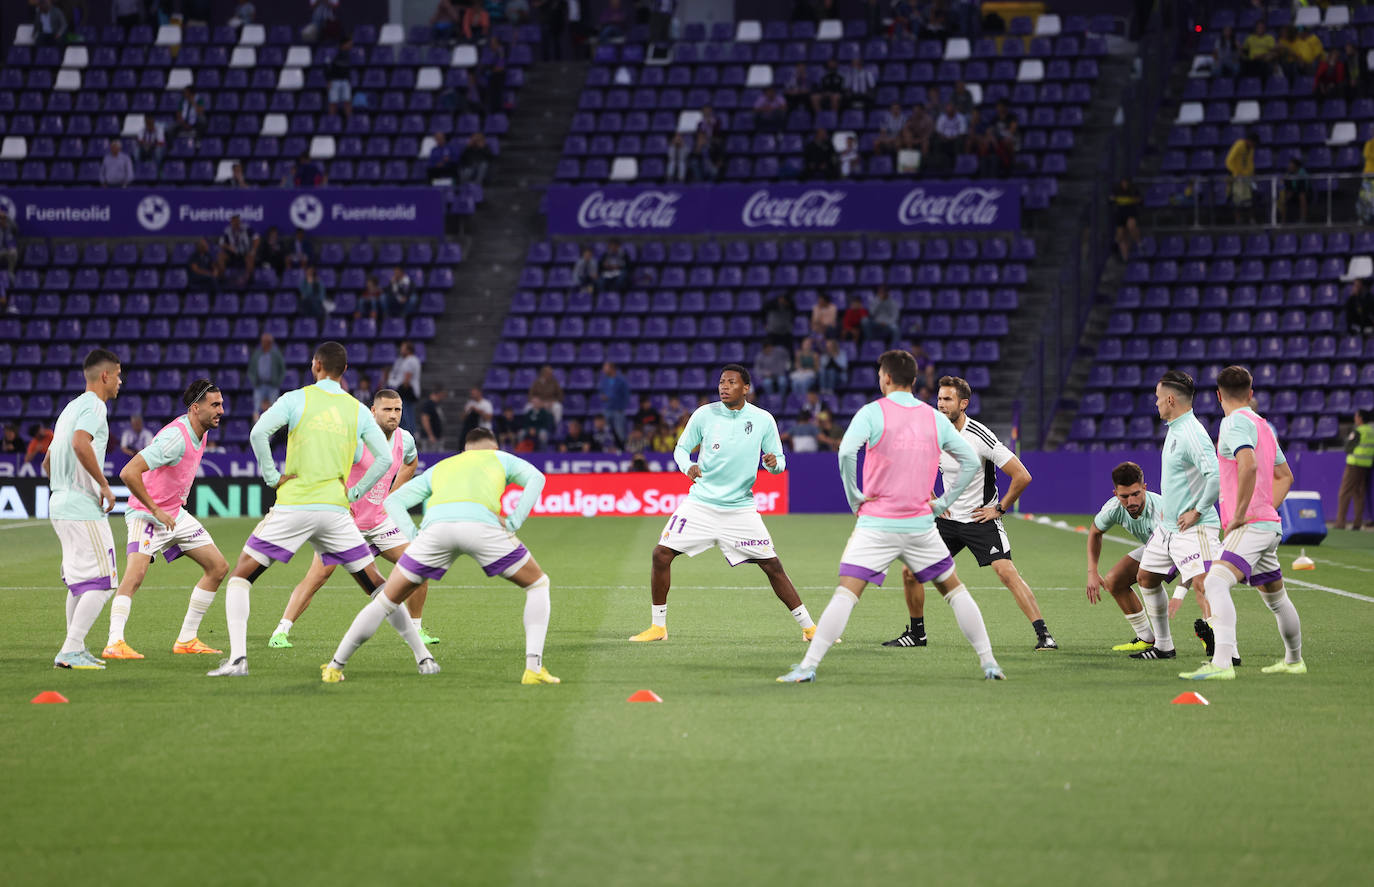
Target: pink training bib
x=900 y=469
x=368 y=511
x=1262 y=501
x=169 y=485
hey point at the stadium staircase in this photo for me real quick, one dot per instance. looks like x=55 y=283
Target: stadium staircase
x=510 y=221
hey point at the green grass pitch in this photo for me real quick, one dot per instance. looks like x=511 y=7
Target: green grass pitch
x=896 y=765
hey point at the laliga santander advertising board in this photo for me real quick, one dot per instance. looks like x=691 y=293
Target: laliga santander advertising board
x=633 y=494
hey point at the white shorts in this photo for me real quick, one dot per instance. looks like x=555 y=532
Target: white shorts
x=1191 y=551
x=869 y=553
x=739 y=533
x=149 y=539
x=1137 y=554
x=384 y=537
x=88 y=555
x=1255 y=553
x=431 y=553
x=335 y=537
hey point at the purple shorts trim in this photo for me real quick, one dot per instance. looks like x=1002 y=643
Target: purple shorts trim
x=854 y=571
x=132 y=549
x=102 y=583
x=352 y=555
x=936 y=569
x=1261 y=579
x=411 y=565
x=501 y=565
x=1173 y=574
x=268 y=550
x=172 y=553
x=1240 y=563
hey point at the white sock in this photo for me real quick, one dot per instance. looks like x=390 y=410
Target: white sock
x=1157 y=608
x=119 y=617
x=236 y=614
x=1290 y=627
x=536 y=618
x=1140 y=624
x=660 y=614
x=802 y=616
x=201 y=599
x=88 y=607
x=833 y=620
x=970 y=620
x=365 y=625
x=400 y=620
x=283 y=627
x=415 y=621
x=1217 y=585
x=71 y=607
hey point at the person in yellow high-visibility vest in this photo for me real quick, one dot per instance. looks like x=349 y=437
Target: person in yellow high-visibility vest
x=463 y=516
x=1359 y=459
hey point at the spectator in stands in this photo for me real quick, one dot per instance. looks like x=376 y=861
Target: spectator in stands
x=10 y=441
x=135 y=437
x=578 y=438
x=603 y=436
x=1356 y=83
x=475 y=160
x=981 y=144
x=49 y=24
x=400 y=298
x=770 y=109
x=236 y=176
x=1300 y=50
x=851 y=163
x=1226 y=54
x=1332 y=74
x=508 y=428
x=901 y=28
x=778 y=316
x=1258 y=52
x=615 y=266
x=300 y=252
x=192 y=115
x=539 y=423
x=916 y=135
x=492 y=77
x=5 y=306
x=362 y=392
x=150 y=146
x=818 y=157
x=834 y=367
x=324 y=22
x=431 y=416
x=1240 y=164
x=825 y=317
x=404 y=378
x=860 y=83
x=884 y=319
x=703 y=160
x=950 y=129
x=586 y=273
x=266 y=372
x=312 y=295
x=1297 y=191
x=673 y=411
x=890 y=130
x=553 y=21
x=476 y=22
x=962 y=98
x=661 y=21
x=549 y=391
x=828 y=434
x=805 y=367
x=238 y=248
x=1126 y=200
x=195 y=12
x=1007 y=144
x=612 y=21
x=9 y=240
x=202 y=270
x=615 y=399
x=272 y=252
x=925 y=373
x=678 y=154
x=116 y=169
x=244 y=14
x=797 y=89
x=801 y=437
x=339 y=74
x=306 y=173
x=1359 y=462
x=127 y=13
x=442 y=162
x=445 y=21
x=771 y=366
x=636 y=443
x=369 y=300
x=969 y=16
x=830 y=91
x=40 y=438
x=709 y=123
x=647 y=415
x=1359 y=308
x=662 y=439
x=852 y=321
x=937 y=25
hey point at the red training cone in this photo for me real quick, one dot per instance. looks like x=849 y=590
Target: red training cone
x=48 y=696
x=1190 y=698
x=644 y=696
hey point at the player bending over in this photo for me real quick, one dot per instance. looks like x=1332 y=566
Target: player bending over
x=324 y=426
x=159 y=479
x=905 y=440
x=1255 y=478
x=463 y=516
x=383 y=537
x=974 y=519
x=719 y=509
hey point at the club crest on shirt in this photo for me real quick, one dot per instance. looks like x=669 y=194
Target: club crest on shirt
x=748 y=427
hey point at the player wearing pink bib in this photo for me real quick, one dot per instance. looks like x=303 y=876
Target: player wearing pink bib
x=1255 y=478
x=159 y=480
x=383 y=537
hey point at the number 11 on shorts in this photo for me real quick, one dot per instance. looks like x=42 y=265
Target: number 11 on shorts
x=681 y=524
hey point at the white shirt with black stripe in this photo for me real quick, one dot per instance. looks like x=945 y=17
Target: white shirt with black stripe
x=983 y=491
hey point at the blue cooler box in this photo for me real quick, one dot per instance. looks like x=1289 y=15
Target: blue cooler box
x=1303 y=521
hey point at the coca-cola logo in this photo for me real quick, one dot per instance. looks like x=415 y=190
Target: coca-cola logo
x=815 y=208
x=647 y=210
x=967 y=208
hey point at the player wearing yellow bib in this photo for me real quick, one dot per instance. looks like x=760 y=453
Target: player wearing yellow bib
x=463 y=516
x=324 y=426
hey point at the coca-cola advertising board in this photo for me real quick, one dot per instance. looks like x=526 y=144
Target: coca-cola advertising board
x=633 y=494
x=797 y=208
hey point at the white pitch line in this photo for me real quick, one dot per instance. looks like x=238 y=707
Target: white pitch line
x=21 y=524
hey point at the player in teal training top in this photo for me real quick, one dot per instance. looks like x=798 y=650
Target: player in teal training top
x=720 y=510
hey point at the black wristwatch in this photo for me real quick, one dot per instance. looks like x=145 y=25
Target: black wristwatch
x=1000 y=509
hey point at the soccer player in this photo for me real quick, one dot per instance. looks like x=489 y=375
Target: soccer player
x=463 y=516
x=1136 y=510
x=324 y=426
x=974 y=519
x=719 y=509
x=81 y=497
x=905 y=440
x=383 y=536
x=1255 y=478
x=159 y=479
x=1185 y=538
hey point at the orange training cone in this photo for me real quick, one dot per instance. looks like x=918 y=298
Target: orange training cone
x=644 y=696
x=48 y=696
x=1190 y=698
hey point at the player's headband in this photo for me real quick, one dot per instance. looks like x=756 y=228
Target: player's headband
x=204 y=387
